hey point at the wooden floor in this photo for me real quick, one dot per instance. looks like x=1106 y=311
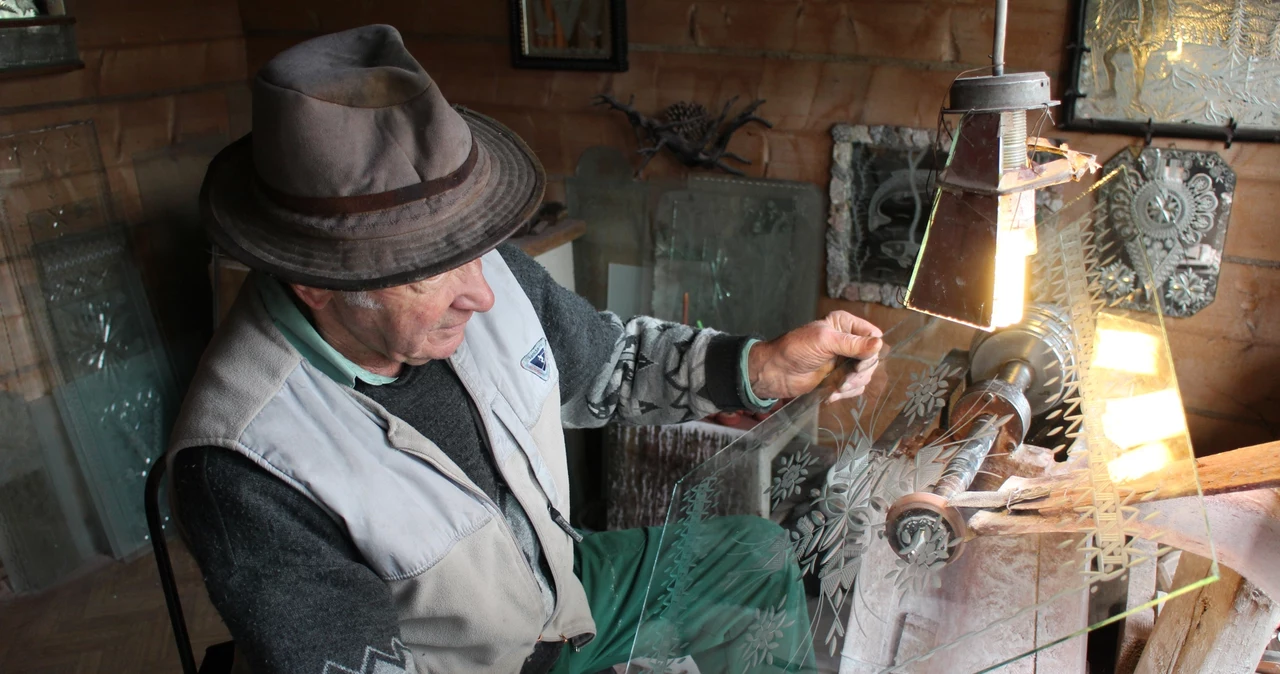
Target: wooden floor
x=110 y=621
x=113 y=621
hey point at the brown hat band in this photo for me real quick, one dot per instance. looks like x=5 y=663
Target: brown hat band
x=367 y=203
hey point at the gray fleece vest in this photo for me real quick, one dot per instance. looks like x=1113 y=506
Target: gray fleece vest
x=466 y=596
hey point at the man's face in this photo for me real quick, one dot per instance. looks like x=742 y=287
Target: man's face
x=413 y=323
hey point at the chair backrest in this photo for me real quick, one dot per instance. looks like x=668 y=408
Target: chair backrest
x=160 y=545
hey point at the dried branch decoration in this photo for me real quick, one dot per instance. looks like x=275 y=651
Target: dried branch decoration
x=689 y=131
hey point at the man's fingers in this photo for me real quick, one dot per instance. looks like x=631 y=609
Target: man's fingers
x=847 y=322
x=857 y=346
x=841 y=395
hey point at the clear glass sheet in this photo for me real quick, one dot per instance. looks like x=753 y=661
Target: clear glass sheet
x=38 y=542
x=778 y=553
x=618 y=243
x=97 y=341
x=746 y=252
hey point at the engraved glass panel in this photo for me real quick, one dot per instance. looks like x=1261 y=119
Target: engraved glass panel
x=1210 y=62
x=746 y=252
x=961 y=514
x=92 y=337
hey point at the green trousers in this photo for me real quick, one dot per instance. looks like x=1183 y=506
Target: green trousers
x=728 y=594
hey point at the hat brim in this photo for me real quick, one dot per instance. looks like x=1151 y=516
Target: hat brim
x=502 y=192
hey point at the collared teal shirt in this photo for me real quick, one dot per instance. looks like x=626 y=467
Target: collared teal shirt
x=303 y=336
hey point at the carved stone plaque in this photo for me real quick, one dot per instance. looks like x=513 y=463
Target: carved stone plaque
x=1171 y=206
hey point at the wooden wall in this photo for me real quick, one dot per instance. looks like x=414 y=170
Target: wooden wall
x=819 y=63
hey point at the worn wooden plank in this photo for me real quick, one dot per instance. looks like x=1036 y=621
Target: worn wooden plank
x=1136 y=628
x=1254 y=203
x=1222 y=628
x=1232 y=377
x=1243 y=309
x=133 y=70
x=69 y=86
x=942 y=32
x=1059 y=575
x=114 y=23
x=1245 y=469
x=1214 y=435
x=200 y=114
x=1245 y=529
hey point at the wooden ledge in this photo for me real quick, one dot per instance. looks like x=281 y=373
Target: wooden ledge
x=40 y=71
x=38 y=21
x=551 y=238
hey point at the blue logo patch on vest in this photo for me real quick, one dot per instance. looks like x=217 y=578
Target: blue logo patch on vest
x=536 y=360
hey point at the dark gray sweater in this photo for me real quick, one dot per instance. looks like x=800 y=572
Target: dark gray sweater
x=289 y=584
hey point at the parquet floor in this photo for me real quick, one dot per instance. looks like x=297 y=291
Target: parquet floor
x=110 y=621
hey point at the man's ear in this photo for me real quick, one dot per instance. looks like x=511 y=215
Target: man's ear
x=315 y=298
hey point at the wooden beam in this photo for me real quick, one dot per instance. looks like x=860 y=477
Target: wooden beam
x=1137 y=626
x=1244 y=469
x=1223 y=627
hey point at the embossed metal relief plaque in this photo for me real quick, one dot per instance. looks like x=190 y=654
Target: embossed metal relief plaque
x=1171 y=207
x=1206 y=62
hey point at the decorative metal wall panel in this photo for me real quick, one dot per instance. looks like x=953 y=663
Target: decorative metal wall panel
x=836 y=578
x=1171 y=207
x=746 y=252
x=881 y=193
x=105 y=359
x=1205 y=62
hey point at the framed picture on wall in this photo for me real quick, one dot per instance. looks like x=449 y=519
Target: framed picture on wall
x=1184 y=68
x=569 y=34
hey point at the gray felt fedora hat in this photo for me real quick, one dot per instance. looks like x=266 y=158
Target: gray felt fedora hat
x=358 y=175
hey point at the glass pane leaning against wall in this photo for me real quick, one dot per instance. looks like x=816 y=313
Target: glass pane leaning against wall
x=83 y=363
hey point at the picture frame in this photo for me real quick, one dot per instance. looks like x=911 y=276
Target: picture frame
x=37 y=37
x=594 y=37
x=1194 y=69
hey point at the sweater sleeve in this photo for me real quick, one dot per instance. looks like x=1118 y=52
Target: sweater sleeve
x=645 y=371
x=287 y=582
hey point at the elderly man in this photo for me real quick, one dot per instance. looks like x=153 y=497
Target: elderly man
x=370 y=465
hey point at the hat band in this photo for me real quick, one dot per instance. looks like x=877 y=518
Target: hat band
x=367 y=203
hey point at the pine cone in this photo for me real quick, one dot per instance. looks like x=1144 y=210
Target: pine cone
x=692 y=120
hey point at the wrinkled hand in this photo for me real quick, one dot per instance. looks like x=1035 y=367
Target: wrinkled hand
x=798 y=361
